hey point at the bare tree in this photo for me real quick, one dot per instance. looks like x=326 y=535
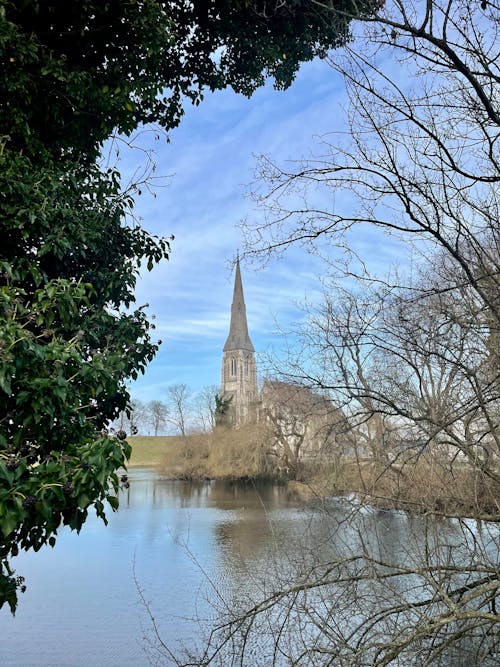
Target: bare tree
x=413 y=361
x=132 y=420
x=205 y=407
x=303 y=425
x=422 y=164
x=179 y=406
x=157 y=414
x=414 y=375
x=367 y=604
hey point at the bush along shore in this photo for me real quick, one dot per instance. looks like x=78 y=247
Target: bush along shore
x=220 y=454
x=424 y=483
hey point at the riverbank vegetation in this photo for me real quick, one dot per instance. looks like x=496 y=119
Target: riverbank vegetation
x=425 y=484
x=220 y=454
x=418 y=482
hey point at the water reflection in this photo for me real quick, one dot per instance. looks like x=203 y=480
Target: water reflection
x=82 y=608
x=158 y=492
x=194 y=549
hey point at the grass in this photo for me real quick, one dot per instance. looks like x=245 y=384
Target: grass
x=151 y=450
x=423 y=484
x=222 y=454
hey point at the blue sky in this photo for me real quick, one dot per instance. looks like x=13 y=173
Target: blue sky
x=208 y=167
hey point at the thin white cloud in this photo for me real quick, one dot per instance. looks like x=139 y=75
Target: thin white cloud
x=210 y=162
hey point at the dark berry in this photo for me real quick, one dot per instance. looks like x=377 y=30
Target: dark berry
x=20 y=584
x=29 y=502
x=123 y=479
x=68 y=487
x=121 y=435
x=12 y=463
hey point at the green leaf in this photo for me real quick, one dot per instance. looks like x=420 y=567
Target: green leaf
x=83 y=500
x=113 y=501
x=8 y=523
x=5 y=383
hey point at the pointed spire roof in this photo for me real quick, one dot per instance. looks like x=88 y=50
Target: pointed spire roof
x=238 y=338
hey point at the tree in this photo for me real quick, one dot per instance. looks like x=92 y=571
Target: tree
x=412 y=358
x=222 y=408
x=81 y=59
x=302 y=424
x=422 y=165
x=137 y=415
x=206 y=406
x=157 y=413
x=132 y=418
x=179 y=406
x=70 y=254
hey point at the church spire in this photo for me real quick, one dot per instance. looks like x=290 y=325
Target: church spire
x=238 y=338
x=239 y=372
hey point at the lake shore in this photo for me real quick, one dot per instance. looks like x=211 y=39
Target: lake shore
x=420 y=486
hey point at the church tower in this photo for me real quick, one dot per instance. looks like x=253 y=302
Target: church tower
x=239 y=372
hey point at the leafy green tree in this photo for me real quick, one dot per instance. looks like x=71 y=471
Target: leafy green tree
x=222 y=406
x=72 y=74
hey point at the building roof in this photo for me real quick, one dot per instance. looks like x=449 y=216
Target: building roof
x=238 y=338
x=299 y=400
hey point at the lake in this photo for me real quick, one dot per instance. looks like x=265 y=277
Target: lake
x=180 y=552
x=170 y=538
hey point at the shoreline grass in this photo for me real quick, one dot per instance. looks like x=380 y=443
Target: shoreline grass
x=427 y=485
x=151 y=450
x=221 y=454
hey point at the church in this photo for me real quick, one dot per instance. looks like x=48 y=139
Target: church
x=239 y=372
x=302 y=424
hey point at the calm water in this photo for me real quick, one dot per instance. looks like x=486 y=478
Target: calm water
x=177 y=541
x=189 y=548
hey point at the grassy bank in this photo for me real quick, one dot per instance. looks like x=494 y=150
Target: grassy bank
x=222 y=454
x=423 y=484
x=420 y=485
x=150 y=450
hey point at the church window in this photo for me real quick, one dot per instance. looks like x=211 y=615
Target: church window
x=233 y=366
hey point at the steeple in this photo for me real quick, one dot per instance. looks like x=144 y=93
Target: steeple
x=239 y=372
x=238 y=338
